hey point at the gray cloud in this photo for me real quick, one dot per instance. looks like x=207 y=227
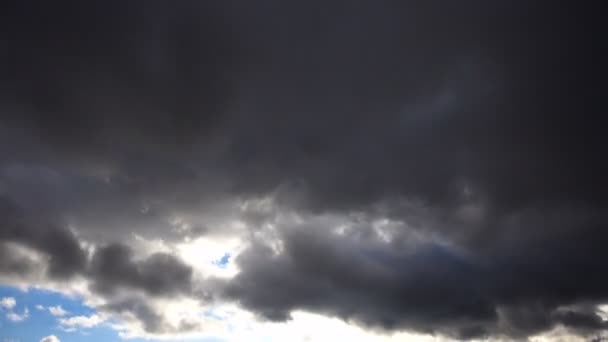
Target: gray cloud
x=110 y=270
x=152 y=321
x=428 y=287
x=12 y=262
x=65 y=256
x=159 y=274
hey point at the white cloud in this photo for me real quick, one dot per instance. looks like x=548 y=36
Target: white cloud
x=80 y=322
x=228 y=322
x=39 y=307
x=309 y=327
x=15 y=317
x=207 y=251
x=51 y=338
x=8 y=303
x=57 y=311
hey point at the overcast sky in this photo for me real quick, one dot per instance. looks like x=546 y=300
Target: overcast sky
x=317 y=170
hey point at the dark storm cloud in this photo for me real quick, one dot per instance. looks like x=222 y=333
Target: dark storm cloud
x=110 y=271
x=113 y=267
x=482 y=122
x=11 y=263
x=431 y=287
x=348 y=103
x=105 y=105
x=114 y=74
x=65 y=255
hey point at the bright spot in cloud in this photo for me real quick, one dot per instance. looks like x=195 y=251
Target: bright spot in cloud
x=223 y=261
x=214 y=255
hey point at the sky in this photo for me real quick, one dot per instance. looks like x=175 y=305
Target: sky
x=303 y=170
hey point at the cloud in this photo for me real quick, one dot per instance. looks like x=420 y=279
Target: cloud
x=16 y=317
x=50 y=338
x=8 y=303
x=57 y=311
x=160 y=274
x=421 y=285
x=65 y=255
x=78 y=322
x=16 y=261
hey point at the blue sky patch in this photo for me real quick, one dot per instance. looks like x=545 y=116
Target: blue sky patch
x=40 y=322
x=223 y=261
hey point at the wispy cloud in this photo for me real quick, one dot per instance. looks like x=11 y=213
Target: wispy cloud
x=75 y=322
x=57 y=311
x=15 y=317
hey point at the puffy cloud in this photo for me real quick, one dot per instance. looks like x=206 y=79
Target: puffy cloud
x=427 y=286
x=8 y=303
x=77 y=322
x=64 y=253
x=57 y=311
x=50 y=338
x=16 y=317
x=159 y=274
